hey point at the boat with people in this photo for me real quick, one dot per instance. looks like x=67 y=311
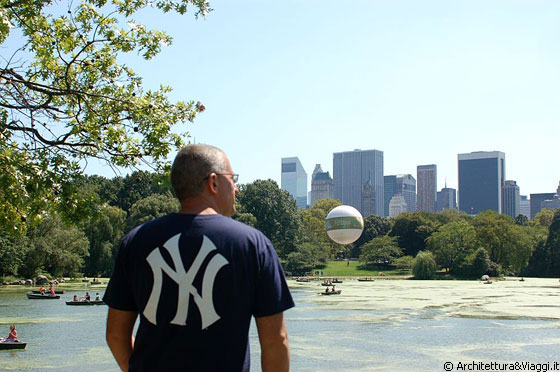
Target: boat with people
x=303 y=280
x=85 y=303
x=36 y=291
x=368 y=279
x=45 y=296
x=12 y=345
x=338 y=291
x=330 y=282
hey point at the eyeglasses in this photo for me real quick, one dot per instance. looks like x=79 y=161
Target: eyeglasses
x=234 y=177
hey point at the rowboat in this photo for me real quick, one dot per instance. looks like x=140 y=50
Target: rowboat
x=366 y=280
x=36 y=291
x=34 y=296
x=338 y=291
x=11 y=345
x=85 y=303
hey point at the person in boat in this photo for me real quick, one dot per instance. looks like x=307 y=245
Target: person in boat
x=97 y=297
x=76 y=299
x=13 y=334
x=243 y=275
x=51 y=290
x=87 y=297
x=42 y=290
x=333 y=289
x=327 y=290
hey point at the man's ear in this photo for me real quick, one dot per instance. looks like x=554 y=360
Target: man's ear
x=212 y=183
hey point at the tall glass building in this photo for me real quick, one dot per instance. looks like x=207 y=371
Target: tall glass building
x=536 y=201
x=481 y=180
x=446 y=199
x=390 y=190
x=406 y=186
x=511 y=200
x=358 y=180
x=426 y=177
x=524 y=206
x=294 y=180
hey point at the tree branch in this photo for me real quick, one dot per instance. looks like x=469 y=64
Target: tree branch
x=38 y=135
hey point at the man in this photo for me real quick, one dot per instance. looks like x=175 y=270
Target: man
x=196 y=278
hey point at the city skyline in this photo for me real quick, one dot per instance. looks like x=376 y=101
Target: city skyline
x=445 y=184
x=421 y=81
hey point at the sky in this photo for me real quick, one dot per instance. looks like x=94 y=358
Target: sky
x=420 y=80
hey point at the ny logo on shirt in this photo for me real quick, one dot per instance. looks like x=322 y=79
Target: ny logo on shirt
x=185 y=281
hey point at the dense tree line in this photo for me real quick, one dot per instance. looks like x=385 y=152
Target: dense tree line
x=85 y=241
x=461 y=245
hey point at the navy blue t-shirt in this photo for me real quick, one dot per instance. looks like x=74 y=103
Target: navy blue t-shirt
x=196 y=280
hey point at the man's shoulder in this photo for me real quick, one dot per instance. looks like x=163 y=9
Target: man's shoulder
x=229 y=226
x=211 y=223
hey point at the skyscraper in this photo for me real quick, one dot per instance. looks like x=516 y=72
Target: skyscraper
x=511 y=200
x=481 y=179
x=536 y=201
x=390 y=190
x=322 y=186
x=358 y=180
x=406 y=186
x=525 y=206
x=426 y=176
x=553 y=203
x=446 y=199
x=397 y=205
x=294 y=180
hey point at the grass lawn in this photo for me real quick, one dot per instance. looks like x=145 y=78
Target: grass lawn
x=354 y=268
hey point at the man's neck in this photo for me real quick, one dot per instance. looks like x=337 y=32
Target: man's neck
x=197 y=205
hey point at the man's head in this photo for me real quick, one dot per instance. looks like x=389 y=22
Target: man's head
x=203 y=171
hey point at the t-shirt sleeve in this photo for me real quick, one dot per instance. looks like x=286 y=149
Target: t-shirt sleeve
x=272 y=292
x=119 y=292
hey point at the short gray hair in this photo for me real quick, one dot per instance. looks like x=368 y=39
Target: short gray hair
x=191 y=165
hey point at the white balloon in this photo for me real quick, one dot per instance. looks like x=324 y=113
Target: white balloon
x=344 y=224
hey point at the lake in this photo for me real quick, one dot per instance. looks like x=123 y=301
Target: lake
x=386 y=325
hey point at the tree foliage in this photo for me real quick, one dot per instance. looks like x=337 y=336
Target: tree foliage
x=404 y=262
x=452 y=243
x=424 y=266
x=382 y=249
x=150 y=208
x=545 y=261
x=12 y=254
x=521 y=220
x=66 y=97
x=412 y=230
x=104 y=232
x=314 y=228
x=275 y=212
x=374 y=226
x=306 y=257
x=543 y=218
x=56 y=248
x=507 y=244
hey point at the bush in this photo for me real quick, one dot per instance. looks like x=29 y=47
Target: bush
x=480 y=264
x=424 y=266
x=404 y=263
